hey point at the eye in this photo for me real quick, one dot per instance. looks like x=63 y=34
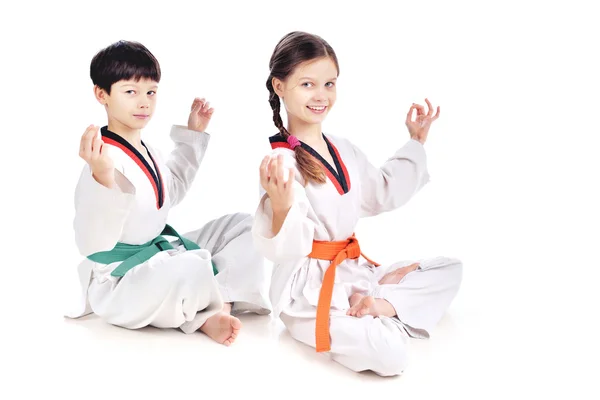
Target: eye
x=330 y=84
x=152 y=92
x=306 y=84
x=130 y=91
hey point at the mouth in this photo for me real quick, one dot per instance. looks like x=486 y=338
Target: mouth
x=141 y=116
x=317 y=109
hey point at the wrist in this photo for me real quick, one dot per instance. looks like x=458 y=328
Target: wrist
x=106 y=178
x=279 y=210
x=279 y=216
x=197 y=129
x=418 y=139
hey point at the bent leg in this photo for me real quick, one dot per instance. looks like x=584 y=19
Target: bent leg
x=423 y=296
x=168 y=291
x=360 y=344
x=243 y=277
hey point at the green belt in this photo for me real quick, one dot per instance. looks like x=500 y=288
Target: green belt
x=133 y=255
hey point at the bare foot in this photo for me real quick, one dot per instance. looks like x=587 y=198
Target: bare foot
x=355 y=298
x=367 y=305
x=396 y=275
x=361 y=305
x=222 y=328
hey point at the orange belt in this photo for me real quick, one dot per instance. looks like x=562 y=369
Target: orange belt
x=335 y=252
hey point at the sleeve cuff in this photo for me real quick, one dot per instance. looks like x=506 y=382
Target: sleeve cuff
x=120 y=196
x=414 y=150
x=181 y=134
x=265 y=232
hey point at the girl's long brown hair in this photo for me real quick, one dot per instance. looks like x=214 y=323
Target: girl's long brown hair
x=292 y=50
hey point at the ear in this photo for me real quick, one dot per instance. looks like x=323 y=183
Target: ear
x=100 y=95
x=278 y=86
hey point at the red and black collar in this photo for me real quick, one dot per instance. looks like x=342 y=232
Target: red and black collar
x=341 y=181
x=155 y=180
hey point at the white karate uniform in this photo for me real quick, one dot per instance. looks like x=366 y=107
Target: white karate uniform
x=330 y=212
x=174 y=288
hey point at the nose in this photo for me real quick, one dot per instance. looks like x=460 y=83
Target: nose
x=320 y=95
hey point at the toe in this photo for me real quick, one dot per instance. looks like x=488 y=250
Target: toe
x=236 y=323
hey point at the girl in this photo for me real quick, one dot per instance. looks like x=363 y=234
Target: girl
x=315 y=188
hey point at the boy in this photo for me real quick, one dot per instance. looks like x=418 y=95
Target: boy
x=132 y=276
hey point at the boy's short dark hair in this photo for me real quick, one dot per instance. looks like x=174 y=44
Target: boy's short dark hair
x=123 y=60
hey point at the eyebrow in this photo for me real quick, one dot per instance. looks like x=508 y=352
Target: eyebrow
x=306 y=77
x=135 y=86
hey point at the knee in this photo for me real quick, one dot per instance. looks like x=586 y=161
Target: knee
x=239 y=218
x=242 y=215
x=392 y=359
x=244 y=220
x=455 y=268
x=236 y=224
x=390 y=355
x=449 y=270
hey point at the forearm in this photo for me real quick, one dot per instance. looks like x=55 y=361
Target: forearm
x=106 y=179
x=278 y=220
x=283 y=235
x=185 y=159
x=396 y=182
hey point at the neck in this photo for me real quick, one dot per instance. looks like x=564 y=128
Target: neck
x=133 y=136
x=308 y=133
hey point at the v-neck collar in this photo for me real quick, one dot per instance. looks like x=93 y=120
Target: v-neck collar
x=155 y=178
x=338 y=176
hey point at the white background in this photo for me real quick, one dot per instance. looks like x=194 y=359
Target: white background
x=514 y=189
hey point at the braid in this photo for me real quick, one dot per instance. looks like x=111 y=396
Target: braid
x=276 y=106
x=309 y=168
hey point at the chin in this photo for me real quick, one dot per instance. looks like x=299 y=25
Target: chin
x=316 y=119
x=140 y=124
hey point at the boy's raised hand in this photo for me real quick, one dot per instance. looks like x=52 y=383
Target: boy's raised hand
x=93 y=152
x=200 y=115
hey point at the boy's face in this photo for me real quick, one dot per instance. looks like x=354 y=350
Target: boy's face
x=130 y=104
